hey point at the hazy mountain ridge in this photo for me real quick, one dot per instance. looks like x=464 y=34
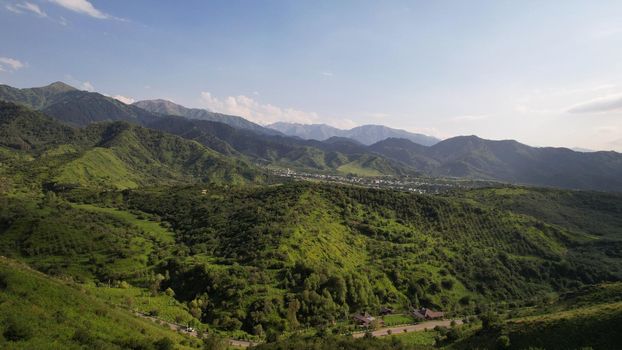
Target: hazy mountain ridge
x=170 y=108
x=365 y=134
x=509 y=161
x=275 y=149
x=461 y=157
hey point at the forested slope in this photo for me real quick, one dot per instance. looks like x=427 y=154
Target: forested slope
x=322 y=252
x=109 y=155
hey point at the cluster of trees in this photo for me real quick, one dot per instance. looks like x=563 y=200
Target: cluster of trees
x=442 y=252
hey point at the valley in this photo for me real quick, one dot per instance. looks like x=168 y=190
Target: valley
x=154 y=224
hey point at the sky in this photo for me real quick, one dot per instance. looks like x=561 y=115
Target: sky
x=545 y=73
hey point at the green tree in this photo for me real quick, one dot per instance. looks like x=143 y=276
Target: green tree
x=292 y=309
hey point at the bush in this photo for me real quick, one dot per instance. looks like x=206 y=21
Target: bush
x=447 y=284
x=490 y=320
x=503 y=342
x=3 y=282
x=453 y=334
x=164 y=344
x=17 y=330
x=273 y=336
x=82 y=336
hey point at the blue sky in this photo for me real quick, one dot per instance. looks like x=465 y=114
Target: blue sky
x=547 y=73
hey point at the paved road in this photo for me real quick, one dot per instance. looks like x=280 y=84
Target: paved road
x=409 y=328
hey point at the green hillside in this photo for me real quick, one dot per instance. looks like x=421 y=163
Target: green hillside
x=251 y=254
x=74 y=107
x=588 y=318
x=39 y=312
x=110 y=155
x=280 y=151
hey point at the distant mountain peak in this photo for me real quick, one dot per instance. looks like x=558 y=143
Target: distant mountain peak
x=58 y=87
x=365 y=134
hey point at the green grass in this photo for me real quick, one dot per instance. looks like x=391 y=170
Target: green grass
x=98 y=167
x=154 y=229
x=590 y=317
x=139 y=299
x=397 y=319
x=417 y=338
x=355 y=168
x=38 y=312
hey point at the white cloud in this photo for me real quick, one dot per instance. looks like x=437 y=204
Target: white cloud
x=257 y=112
x=87 y=86
x=124 y=99
x=83 y=7
x=469 y=118
x=13 y=9
x=28 y=6
x=327 y=74
x=601 y=104
x=344 y=123
x=23 y=7
x=378 y=115
x=10 y=64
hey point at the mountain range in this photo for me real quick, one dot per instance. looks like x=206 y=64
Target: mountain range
x=111 y=154
x=236 y=138
x=169 y=108
x=365 y=134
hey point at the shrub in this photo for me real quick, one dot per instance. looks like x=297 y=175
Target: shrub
x=503 y=342
x=82 y=336
x=164 y=344
x=453 y=335
x=447 y=283
x=17 y=330
x=489 y=320
x=3 y=282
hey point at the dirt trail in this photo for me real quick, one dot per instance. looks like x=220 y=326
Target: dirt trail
x=181 y=328
x=382 y=332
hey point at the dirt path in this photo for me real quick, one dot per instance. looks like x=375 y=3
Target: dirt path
x=409 y=328
x=382 y=332
x=181 y=328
